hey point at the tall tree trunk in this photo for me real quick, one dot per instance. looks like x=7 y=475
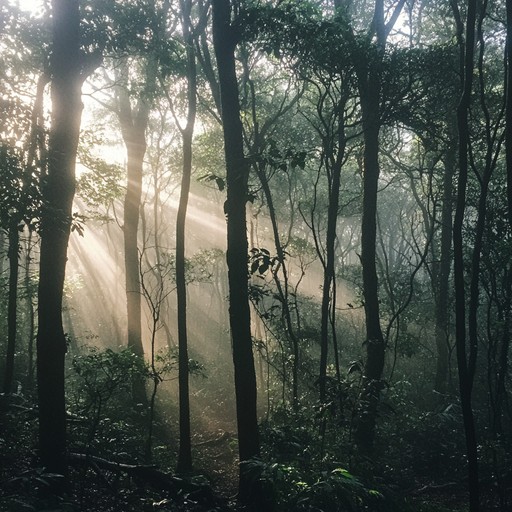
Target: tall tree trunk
x=12 y=307
x=375 y=346
x=29 y=310
x=2 y=248
x=185 y=450
x=466 y=366
x=508 y=113
x=369 y=82
x=369 y=76
x=58 y=193
x=282 y=287
x=328 y=304
x=237 y=171
x=133 y=127
x=443 y=276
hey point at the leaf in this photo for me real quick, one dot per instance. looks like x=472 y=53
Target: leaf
x=355 y=366
x=220 y=183
x=343 y=472
x=263 y=267
x=254 y=266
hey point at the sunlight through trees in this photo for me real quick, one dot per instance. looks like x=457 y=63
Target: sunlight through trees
x=255 y=255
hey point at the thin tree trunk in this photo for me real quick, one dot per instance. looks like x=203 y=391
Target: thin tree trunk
x=12 y=307
x=508 y=113
x=237 y=172
x=282 y=288
x=30 y=311
x=443 y=278
x=328 y=304
x=185 y=449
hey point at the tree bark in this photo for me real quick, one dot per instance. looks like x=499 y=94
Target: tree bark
x=133 y=127
x=58 y=193
x=369 y=83
x=12 y=306
x=30 y=310
x=185 y=449
x=375 y=345
x=508 y=113
x=466 y=367
x=443 y=276
x=369 y=77
x=237 y=171
x=328 y=304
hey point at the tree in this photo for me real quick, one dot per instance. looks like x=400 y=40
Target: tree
x=21 y=157
x=133 y=39
x=369 y=77
x=66 y=69
x=466 y=365
x=134 y=122
x=508 y=114
x=237 y=172
x=10 y=165
x=185 y=450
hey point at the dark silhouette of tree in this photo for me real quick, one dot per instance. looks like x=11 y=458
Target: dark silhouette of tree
x=237 y=172
x=187 y=132
x=13 y=256
x=66 y=66
x=466 y=362
x=369 y=76
x=442 y=275
x=508 y=113
x=10 y=216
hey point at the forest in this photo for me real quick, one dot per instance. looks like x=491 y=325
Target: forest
x=255 y=255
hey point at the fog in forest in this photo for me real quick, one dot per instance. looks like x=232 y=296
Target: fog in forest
x=255 y=255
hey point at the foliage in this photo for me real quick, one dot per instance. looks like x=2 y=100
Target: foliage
x=20 y=198
x=413 y=425
x=99 y=185
x=105 y=373
x=301 y=65
x=325 y=491
x=100 y=399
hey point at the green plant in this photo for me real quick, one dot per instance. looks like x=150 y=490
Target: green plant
x=101 y=391
x=291 y=489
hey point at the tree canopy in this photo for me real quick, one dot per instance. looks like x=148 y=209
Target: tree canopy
x=255 y=255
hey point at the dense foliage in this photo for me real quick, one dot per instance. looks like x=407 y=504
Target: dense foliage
x=342 y=342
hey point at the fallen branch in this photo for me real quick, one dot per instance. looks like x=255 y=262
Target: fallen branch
x=436 y=487
x=146 y=474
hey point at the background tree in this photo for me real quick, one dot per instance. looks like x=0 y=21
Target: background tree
x=134 y=122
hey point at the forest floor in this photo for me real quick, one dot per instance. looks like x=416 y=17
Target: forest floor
x=98 y=487
x=216 y=457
